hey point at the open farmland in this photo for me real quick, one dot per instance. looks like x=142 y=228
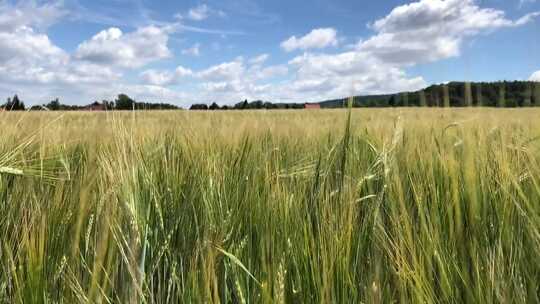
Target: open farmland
x=385 y=205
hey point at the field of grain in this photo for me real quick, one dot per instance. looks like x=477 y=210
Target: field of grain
x=382 y=206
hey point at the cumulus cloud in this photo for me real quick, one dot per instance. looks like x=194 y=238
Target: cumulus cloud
x=159 y=78
x=29 y=14
x=200 y=13
x=183 y=72
x=23 y=46
x=131 y=50
x=424 y=31
x=224 y=71
x=238 y=79
x=228 y=81
x=165 y=78
x=20 y=42
x=195 y=50
x=35 y=67
x=523 y=2
x=535 y=76
x=141 y=92
x=258 y=60
x=431 y=30
x=29 y=59
x=346 y=74
x=269 y=72
x=316 y=39
x=411 y=34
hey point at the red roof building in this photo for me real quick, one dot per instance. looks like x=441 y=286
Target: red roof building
x=312 y=106
x=96 y=106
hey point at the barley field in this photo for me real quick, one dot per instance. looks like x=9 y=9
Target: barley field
x=368 y=206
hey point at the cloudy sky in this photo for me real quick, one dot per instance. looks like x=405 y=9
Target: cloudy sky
x=282 y=50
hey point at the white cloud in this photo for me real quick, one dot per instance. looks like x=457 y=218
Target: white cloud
x=225 y=71
x=258 y=60
x=233 y=73
x=142 y=92
x=535 y=76
x=154 y=77
x=183 y=72
x=31 y=64
x=431 y=30
x=131 y=50
x=193 y=51
x=330 y=76
x=29 y=14
x=316 y=39
x=425 y=31
x=526 y=19
x=523 y=2
x=37 y=69
x=23 y=46
x=236 y=80
x=165 y=78
x=20 y=44
x=200 y=13
x=269 y=72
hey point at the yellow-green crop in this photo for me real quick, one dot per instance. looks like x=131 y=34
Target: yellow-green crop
x=394 y=206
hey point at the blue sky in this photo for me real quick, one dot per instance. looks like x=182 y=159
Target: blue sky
x=229 y=50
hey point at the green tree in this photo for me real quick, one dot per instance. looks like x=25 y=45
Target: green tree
x=241 y=105
x=479 y=96
x=446 y=96
x=422 y=96
x=108 y=104
x=54 y=105
x=18 y=105
x=392 y=101
x=200 y=106
x=527 y=95
x=258 y=104
x=214 y=106
x=501 y=103
x=436 y=98
x=14 y=104
x=536 y=93
x=467 y=95
x=124 y=102
x=405 y=98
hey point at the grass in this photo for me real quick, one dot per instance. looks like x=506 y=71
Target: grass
x=397 y=205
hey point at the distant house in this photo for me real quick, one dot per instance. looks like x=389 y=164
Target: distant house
x=95 y=106
x=312 y=106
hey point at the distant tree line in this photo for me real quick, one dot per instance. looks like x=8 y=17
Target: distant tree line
x=454 y=94
x=245 y=105
x=122 y=102
x=13 y=104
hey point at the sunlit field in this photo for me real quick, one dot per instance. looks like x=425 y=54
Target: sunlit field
x=421 y=205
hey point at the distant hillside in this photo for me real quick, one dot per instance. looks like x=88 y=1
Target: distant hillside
x=454 y=94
